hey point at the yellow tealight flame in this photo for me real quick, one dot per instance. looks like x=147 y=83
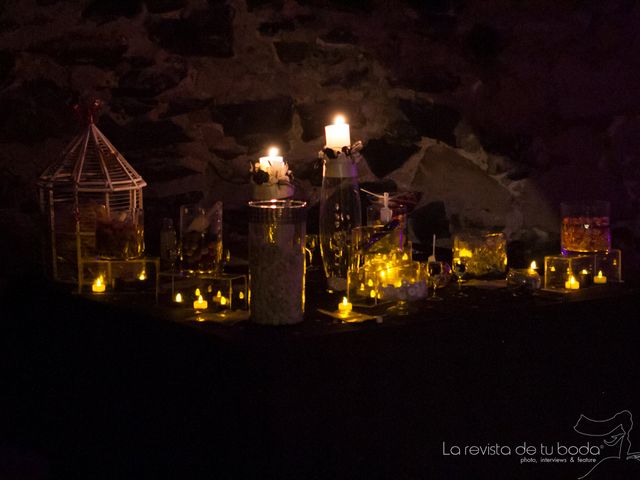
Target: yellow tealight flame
x=178 y=298
x=599 y=273
x=241 y=295
x=339 y=120
x=405 y=256
x=372 y=294
x=552 y=268
x=534 y=265
x=209 y=289
x=584 y=272
x=142 y=276
x=370 y=283
x=344 y=301
x=198 y=292
x=362 y=287
x=223 y=300
x=98 y=285
x=273 y=151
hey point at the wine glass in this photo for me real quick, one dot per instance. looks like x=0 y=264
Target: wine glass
x=436 y=273
x=459 y=269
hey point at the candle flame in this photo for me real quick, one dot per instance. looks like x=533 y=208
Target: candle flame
x=241 y=295
x=273 y=151
x=219 y=294
x=198 y=293
x=142 y=276
x=344 y=300
x=200 y=299
x=405 y=256
x=223 y=300
x=339 y=120
x=372 y=294
x=599 y=273
x=534 y=265
x=178 y=297
x=98 y=281
x=572 y=280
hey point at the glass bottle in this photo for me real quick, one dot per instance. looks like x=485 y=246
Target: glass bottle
x=339 y=214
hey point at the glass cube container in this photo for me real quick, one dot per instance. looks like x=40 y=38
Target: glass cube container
x=485 y=252
x=558 y=269
x=610 y=264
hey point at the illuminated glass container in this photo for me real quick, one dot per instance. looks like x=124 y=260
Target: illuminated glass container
x=610 y=264
x=485 y=252
x=558 y=270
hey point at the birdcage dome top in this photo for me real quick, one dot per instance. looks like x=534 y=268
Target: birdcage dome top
x=90 y=163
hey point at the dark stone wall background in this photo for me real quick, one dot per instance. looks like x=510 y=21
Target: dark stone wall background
x=494 y=111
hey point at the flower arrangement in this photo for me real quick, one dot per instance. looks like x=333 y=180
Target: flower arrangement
x=271 y=177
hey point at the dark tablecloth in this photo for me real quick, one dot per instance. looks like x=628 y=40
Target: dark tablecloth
x=106 y=390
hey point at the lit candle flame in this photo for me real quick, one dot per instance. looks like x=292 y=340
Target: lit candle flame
x=339 y=120
x=273 y=151
x=142 y=276
x=534 y=265
x=223 y=300
x=197 y=292
x=178 y=297
x=241 y=295
x=599 y=273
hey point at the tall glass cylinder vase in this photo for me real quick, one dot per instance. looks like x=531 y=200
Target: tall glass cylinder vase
x=339 y=214
x=277 y=230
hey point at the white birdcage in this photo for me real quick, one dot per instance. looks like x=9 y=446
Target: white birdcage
x=89 y=186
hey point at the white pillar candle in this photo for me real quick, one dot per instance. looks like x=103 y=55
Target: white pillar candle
x=272 y=158
x=337 y=135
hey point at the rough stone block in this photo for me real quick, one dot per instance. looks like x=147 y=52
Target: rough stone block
x=164 y=6
x=271 y=116
x=203 y=32
x=384 y=156
x=432 y=120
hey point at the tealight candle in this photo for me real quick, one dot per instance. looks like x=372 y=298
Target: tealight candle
x=337 y=135
x=345 y=307
x=200 y=303
x=272 y=159
x=533 y=267
x=178 y=298
x=223 y=301
x=572 y=283
x=98 y=285
x=600 y=279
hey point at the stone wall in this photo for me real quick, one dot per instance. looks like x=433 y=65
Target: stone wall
x=493 y=111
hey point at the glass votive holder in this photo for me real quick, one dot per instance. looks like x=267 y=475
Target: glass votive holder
x=403 y=282
x=558 y=270
x=523 y=278
x=610 y=264
x=485 y=252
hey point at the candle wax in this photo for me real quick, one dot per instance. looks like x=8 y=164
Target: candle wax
x=337 y=135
